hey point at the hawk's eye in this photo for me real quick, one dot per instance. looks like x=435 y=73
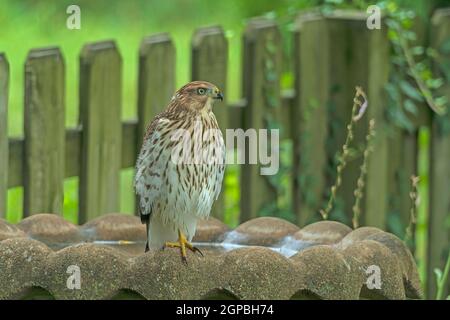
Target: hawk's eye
x=201 y=91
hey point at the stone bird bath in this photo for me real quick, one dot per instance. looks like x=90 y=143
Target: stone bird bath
x=264 y=258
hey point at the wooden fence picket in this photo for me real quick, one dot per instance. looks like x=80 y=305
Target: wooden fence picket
x=156 y=79
x=44 y=130
x=327 y=77
x=309 y=135
x=439 y=186
x=100 y=118
x=403 y=157
x=261 y=88
x=368 y=67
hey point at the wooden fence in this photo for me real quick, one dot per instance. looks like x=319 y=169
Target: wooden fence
x=331 y=56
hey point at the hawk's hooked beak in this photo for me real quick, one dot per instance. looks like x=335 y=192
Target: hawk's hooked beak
x=218 y=95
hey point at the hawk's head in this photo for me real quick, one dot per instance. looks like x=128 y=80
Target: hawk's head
x=197 y=95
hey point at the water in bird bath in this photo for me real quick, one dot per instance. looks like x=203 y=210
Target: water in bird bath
x=287 y=247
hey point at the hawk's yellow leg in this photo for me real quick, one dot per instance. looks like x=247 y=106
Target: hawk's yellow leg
x=182 y=243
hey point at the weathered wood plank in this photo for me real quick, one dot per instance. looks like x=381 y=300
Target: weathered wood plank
x=375 y=77
x=360 y=58
x=310 y=116
x=439 y=191
x=335 y=53
x=100 y=117
x=439 y=200
x=4 y=91
x=349 y=67
x=209 y=63
x=44 y=132
x=402 y=165
x=261 y=89
x=156 y=79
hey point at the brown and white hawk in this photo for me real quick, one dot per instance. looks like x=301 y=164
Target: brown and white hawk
x=180 y=167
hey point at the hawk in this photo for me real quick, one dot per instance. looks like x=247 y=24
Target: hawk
x=180 y=167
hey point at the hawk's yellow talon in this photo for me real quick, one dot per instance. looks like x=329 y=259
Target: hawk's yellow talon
x=182 y=243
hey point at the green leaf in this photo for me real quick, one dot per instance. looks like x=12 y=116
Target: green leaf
x=417 y=50
x=393 y=24
x=270 y=15
x=396 y=224
x=398 y=116
x=421 y=67
x=410 y=91
x=327 y=9
x=432 y=53
x=407 y=23
x=410 y=106
x=398 y=60
x=392 y=92
x=393 y=35
x=392 y=6
x=445 y=46
x=435 y=83
x=410 y=35
x=445 y=67
x=441 y=101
